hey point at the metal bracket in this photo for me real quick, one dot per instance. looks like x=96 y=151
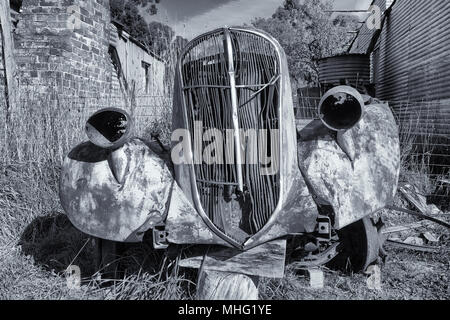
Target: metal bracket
x=319 y=259
x=324 y=228
x=160 y=237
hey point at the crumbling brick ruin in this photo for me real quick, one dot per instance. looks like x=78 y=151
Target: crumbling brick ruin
x=63 y=45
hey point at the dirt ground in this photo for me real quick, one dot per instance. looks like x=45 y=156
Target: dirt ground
x=405 y=276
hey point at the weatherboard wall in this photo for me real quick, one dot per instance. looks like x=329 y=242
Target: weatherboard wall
x=411 y=62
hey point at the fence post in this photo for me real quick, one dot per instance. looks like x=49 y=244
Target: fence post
x=8 y=50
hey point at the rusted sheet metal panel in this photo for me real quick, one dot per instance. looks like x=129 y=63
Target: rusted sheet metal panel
x=355 y=68
x=9 y=61
x=354 y=188
x=265 y=260
x=185 y=225
x=116 y=198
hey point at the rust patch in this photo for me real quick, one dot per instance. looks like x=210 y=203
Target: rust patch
x=357 y=171
x=185 y=225
x=265 y=260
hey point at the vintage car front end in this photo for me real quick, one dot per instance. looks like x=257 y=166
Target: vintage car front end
x=240 y=170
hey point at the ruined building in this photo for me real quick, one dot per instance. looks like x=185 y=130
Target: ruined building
x=69 y=50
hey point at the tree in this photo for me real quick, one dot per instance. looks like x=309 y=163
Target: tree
x=159 y=37
x=174 y=51
x=126 y=12
x=307 y=32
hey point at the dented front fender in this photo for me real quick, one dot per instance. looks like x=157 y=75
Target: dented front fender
x=115 y=195
x=355 y=171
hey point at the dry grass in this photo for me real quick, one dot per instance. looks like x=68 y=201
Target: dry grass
x=37 y=242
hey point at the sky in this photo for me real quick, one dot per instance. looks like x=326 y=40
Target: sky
x=189 y=18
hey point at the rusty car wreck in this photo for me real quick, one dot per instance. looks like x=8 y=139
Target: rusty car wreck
x=330 y=176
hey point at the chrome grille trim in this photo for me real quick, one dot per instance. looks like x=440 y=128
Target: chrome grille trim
x=205 y=86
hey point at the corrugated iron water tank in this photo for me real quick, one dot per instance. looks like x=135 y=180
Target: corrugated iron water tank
x=349 y=69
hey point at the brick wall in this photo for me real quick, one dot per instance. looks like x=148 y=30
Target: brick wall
x=61 y=49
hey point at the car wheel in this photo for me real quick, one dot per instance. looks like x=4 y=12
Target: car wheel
x=359 y=246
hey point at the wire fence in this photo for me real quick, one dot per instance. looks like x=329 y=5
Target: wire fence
x=57 y=123
x=151 y=107
x=45 y=126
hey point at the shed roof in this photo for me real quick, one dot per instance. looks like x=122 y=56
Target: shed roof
x=363 y=37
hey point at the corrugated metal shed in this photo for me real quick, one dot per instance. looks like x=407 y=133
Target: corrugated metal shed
x=364 y=35
x=411 y=61
x=354 y=69
x=412 y=56
x=410 y=68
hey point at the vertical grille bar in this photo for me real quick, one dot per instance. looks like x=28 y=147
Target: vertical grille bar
x=231 y=80
x=234 y=111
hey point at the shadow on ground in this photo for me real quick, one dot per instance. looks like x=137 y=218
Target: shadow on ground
x=54 y=243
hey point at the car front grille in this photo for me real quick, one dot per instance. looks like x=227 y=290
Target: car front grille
x=239 y=200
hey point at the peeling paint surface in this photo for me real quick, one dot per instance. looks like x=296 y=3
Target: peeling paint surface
x=357 y=170
x=115 y=196
x=265 y=260
x=299 y=213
